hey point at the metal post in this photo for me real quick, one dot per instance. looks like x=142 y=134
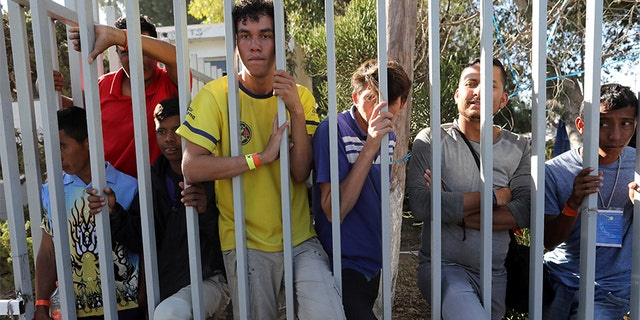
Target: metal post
x=49 y=102
x=538 y=154
x=436 y=160
x=486 y=151
x=241 y=302
x=384 y=162
x=333 y=143
x=590 y=156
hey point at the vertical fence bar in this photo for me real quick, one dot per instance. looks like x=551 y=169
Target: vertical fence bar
x=114 y=61
x=96 y=19
x=184 y=95
x=48 y=103
x=333 y=143
x=538 y=126
x=436 y=159
x=193 y=59
x=635 y=258
x=241 y=302
x=98 y=175
x=384 y=162
x=590 y=155
x=138 y=100
x=284 y=164
x=486 y=150
x=53 y=42
x=75 y=66
x=28 y=132
x=13 y=196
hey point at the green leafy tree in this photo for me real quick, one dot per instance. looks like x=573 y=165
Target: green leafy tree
x=6 y=267
x=566 y=49
x=355 y=41
x=7 y=38
x=62 y=53
x=209 y=11
x=160 y=11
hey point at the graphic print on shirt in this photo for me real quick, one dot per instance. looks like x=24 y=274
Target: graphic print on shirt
x=245 y=133
x=85 y=265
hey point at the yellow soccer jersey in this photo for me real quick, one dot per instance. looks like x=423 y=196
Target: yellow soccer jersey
x=206 y=124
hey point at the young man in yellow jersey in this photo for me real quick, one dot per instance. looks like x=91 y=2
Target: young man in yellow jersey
x=208 y=157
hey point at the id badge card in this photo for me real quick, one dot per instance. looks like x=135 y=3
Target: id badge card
x=609 y=228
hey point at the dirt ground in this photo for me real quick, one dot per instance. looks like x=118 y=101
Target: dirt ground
x=408 y=303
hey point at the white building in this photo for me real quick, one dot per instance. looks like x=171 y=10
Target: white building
x=206 y=45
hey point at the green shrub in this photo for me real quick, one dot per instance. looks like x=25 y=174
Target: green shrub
x=7 y=287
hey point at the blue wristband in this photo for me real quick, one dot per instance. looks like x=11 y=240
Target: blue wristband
x=495 y=199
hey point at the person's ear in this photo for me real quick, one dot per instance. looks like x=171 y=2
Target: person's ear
x=402 y=105
x=354 y=97
x=503 y=101
x=580 y=125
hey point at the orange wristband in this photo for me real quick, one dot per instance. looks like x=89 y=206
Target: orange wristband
x=43 y=302
x=567 y=211
x=256 y=159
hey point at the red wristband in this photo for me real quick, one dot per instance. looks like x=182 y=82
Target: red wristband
x=256 y=159
x=567 y=211
x=43 y=302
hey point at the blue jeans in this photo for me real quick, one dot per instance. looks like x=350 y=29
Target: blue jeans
x=608 y=305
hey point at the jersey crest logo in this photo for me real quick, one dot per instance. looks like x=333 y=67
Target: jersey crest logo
x=245 y=133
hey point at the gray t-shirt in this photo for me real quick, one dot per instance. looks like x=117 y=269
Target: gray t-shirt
x=460 y=173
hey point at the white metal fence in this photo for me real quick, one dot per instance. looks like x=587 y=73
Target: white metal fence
x=82 y=14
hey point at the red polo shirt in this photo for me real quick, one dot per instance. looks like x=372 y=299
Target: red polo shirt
x=117 y=118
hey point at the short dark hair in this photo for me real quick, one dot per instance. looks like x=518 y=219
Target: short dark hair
x=167 y=108
x=244 y=10
x=73 y=121
x=366 y=76
x=146 y=25
x=496 y=63
x=614 y=96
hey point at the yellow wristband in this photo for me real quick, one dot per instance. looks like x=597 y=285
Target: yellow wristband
x=250 y=162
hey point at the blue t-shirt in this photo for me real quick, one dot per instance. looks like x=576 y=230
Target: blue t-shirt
x=83 y=243
x=613 y=265
x=361 y=230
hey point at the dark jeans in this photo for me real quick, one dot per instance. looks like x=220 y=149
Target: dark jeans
x=130 y=314
x=359 y=294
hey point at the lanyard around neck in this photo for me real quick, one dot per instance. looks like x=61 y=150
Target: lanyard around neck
x=615 y=183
